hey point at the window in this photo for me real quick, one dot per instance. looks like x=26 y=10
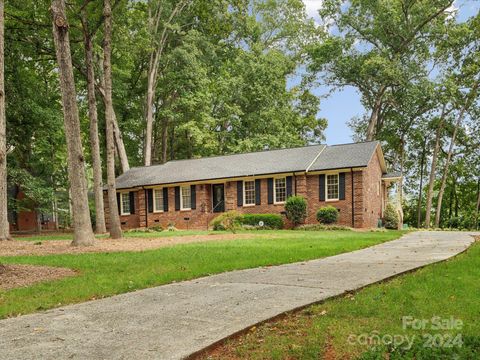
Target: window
x=185 y=198
x=158 y=200
x=125 y=203
x=249 y=193
x=280 y=190
x=332 y=187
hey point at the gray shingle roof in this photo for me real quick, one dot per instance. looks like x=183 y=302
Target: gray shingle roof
x=249 y=164
x=345 y=156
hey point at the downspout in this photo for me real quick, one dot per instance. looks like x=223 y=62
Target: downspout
x=353 y=199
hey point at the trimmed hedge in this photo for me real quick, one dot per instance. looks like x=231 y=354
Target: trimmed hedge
x=327 y=215
x=272 y=221
x=231 y=220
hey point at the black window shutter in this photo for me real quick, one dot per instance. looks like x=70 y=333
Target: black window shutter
x=150 y=200
x=321 y=187
x=239 y=193
x=270 y=190
x=258 y=192
x=289 y=186
x=165 y=199
x=341 y=186
x=118 y=203
x=132 y=202
x=193 y=196
x=177 y=198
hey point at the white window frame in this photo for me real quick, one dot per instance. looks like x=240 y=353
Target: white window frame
x=155 y=210
x=123 y=213
x=338 y=187
x=275 y=190
x=254 y=193
x=182 y=208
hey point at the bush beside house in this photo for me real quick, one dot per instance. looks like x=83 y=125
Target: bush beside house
x=229 y=220
x=390 y=217
x=232 y=220
x=296 y=209
x=270 y=221
x=327 y=215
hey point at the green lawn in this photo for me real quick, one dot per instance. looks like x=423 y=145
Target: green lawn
x=447 y=289
x=68 y=236
x=106 y=274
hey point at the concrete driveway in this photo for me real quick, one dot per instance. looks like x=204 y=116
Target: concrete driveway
x=174 y=321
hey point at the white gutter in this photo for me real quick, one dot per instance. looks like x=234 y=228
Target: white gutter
x=316 y=157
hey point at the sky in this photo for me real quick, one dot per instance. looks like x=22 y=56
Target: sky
x=344 y=104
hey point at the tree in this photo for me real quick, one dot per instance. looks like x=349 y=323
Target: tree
x=433 y=168
x=379 y=47
x=159 y=30
x=83 y=234
x=4 y=226
x=92 y=114
x=468 y=102
x=115 y=227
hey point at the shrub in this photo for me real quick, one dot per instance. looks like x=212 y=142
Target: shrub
x=296 y=208
x=226 y=221
x=327 y=215
x=390 y=217
x=272 y=221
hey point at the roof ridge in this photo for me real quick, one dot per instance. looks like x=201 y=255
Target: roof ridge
x=233 y=154
x=356 y=143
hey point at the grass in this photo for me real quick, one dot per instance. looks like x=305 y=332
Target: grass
x=447 y=289
x=106 y=274
x=69 y=236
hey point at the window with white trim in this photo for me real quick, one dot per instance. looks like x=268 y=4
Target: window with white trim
x=157 y=200
x=249 y=192
x=332 y=187
x=280 y=190
x=185 y=198
x=125 y=203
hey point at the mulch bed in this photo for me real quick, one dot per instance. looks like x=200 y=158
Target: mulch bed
x=13 y=276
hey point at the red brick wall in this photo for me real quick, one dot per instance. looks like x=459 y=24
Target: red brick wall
x=372 y=193
x=367 y=205
x=312 y=193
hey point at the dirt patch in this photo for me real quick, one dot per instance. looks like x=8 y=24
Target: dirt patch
x=46 y=247
x=13 y=276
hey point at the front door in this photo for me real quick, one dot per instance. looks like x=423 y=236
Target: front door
x=218 y=198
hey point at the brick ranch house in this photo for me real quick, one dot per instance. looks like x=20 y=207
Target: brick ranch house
x=190 y=193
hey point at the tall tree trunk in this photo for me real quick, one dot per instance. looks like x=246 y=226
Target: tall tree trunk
x=120 y=146
x=100 y=226
x=433 y=169
x=165 y=140
x=115 y=227
x=447 y=167
x=118 y=139
x=468 y=102
x=4 y=226
x=422 y=165
x=477 y=218
x=83 y=234
x=158 y=45
x=151 y=84
x=373 y=121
